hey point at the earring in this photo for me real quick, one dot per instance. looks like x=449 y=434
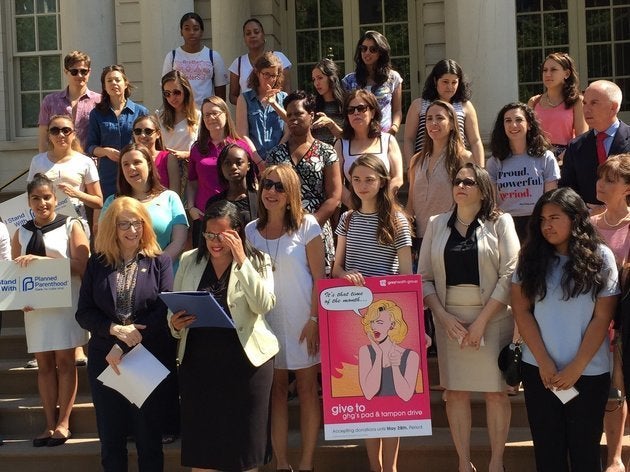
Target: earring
x=288 y=206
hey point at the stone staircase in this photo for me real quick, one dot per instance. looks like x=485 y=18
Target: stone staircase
x=21 y=418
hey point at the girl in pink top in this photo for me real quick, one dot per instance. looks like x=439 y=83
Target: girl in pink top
x=613 y=188
x=560 y=123
x=146 y=131
x=216 y=130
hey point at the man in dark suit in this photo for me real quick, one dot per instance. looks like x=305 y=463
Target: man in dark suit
x=584 y=154
x=602 y=100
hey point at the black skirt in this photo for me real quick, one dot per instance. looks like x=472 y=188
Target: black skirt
x=224 y=403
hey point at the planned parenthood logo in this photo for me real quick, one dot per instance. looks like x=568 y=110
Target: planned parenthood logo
x=33 y=284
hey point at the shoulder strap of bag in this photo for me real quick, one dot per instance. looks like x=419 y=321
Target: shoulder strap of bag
x=172 y=58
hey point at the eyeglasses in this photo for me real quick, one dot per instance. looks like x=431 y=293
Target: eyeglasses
x=268 y=76
x=56 y=131
x=372 y=49
x=213 y=114
x=467 y=182
x=212 y=236
x=125 y=225
x=145 y=131
x=267 y=184
x=359 y=108
x=168 y=93
x=75 y=72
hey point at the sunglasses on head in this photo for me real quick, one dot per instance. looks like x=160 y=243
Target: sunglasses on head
x=359 y=108
x=372 y=49
x=168 y=93
x=145 y=131
x=56 y=130
x=75 y=72
x=267 y=184
x=467 y=182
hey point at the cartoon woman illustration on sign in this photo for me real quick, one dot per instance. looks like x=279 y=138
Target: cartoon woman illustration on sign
x=385 y=367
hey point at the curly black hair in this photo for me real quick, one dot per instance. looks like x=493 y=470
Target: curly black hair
x=537 y=143
x=582 y=273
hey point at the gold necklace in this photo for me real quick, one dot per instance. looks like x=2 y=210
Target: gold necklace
x=615 y=224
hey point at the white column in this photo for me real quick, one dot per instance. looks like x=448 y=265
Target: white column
x=481 y=37
x=227 y=20
x=160 y=34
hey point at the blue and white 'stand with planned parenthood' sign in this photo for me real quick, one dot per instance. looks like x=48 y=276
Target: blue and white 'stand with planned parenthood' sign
x=44 y=283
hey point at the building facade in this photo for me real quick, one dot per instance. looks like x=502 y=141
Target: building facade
x=499 y=43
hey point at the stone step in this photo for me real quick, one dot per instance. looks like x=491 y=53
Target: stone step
x=434 y=453
x=13 y=343
x=15 y=379
x=22 y=414
x=13 y=319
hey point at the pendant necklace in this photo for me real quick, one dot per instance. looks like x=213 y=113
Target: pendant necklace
x=275 y=256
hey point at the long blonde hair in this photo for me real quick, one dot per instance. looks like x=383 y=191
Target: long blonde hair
x=106 y=242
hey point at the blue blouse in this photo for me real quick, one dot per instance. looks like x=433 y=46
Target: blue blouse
x=265 y=125
x=108 y=130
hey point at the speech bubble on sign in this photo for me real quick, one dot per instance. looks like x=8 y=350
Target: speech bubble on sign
x=348 y=298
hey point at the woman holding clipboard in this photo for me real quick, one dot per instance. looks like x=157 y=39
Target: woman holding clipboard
x=226 y=374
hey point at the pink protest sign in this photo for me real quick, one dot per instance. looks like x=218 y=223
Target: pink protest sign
x=374 y=366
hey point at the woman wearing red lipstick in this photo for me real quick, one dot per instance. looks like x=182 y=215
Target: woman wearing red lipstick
x=466 y=262
x=375 y=240
x=562 y=87
x=522 y=167
x=386 y=368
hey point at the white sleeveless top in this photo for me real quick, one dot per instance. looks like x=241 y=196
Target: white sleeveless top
x=348 y=159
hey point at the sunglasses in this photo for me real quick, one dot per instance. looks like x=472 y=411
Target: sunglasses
x=359 y=108
x=267 y=184
x=56 y=131
x=372 y=49
x=75 y=72
x=168 y=93
x=212 y=236
x=125 y=225
x=145 y=131
x=467 y=182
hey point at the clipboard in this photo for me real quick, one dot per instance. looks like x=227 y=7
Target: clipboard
x=201 y=304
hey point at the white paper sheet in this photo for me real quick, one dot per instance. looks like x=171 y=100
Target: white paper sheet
x=566 y=395
x=140 y=374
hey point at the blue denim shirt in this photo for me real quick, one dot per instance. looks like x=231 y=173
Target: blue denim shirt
x=265 y=126
x=108 y=130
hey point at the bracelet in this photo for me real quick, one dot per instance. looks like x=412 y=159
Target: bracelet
x=314 y=319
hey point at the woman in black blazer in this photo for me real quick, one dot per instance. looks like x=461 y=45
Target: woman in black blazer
x=120 y=307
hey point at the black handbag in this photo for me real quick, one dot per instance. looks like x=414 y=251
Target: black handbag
x=510 y=364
